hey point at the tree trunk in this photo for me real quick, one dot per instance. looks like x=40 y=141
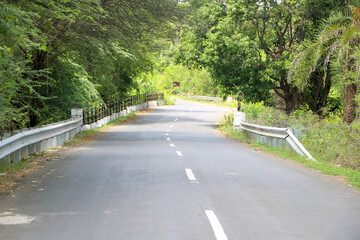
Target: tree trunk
x=350 y=104
x=349 y=92
x=314 y=105
x=291 y=96
x=292 y=101
x=327 y=87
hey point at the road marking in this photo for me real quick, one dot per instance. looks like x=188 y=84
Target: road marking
x=176 y=119
x=190 y=174
x=179 y=153
x=9 y=218
x=216 y=226
x=171 y=125
x=167 y=134
x=172 y=145
x=168 y=139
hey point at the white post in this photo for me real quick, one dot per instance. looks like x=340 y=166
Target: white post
x=238 y=118
x=77 y=113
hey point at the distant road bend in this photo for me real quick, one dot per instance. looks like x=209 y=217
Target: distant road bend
x=169 y=175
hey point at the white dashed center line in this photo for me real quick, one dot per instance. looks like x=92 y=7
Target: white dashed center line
x=168 y=139
x=190 y=174
x=179 y=153
x=176 y=119
x=216 y=226
x=167 y=134
x=172 y=145
x=171 y=126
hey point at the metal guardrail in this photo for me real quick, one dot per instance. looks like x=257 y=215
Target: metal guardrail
x=38 y=140
x=16 y=147
x=215 y=99
x=9 y=134
x=263 y=134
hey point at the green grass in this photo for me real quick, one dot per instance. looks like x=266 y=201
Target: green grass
x=351 y=176
x=14 y=167
x=169 y=100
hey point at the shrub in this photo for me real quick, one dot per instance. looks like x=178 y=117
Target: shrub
x=327 y=139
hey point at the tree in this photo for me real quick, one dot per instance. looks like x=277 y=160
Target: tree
x=247 y=45
x=17 y=79
x=336 y=52
x=75 y=53
x=214 y=42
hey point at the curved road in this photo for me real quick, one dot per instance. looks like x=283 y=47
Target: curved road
x=169 y=175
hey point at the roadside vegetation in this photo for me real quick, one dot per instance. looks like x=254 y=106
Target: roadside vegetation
x=335 y=145
x=58 y=55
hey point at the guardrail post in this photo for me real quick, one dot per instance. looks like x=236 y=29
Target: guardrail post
x=17 y=156
x=43 y=145
x=24 y=152
x=77 y=113
x=268 y=141
x=54 y=142
x=49 y=143
x=38 y=147
x=67 y=136
x=31 y=148
x=274 y=143
x=280 y=143
x=238 y=118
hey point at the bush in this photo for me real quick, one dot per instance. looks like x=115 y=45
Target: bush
x=169 y=100
x=327 y=139
x=259 y=114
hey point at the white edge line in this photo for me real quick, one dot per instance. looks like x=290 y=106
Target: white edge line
x=190 y=174
x=216 y=226
x=179 y=153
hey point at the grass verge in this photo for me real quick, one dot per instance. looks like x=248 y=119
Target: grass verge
x=11 y=173
x=169 y=100
x=347 y=175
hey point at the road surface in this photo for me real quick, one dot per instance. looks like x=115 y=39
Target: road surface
x=170 y=175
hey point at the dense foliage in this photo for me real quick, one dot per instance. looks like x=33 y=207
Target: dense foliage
x=304 y=52
x=60 y=54
x=328 y=140
x=191 y=81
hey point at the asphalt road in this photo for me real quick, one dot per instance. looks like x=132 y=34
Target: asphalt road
x=170 y=175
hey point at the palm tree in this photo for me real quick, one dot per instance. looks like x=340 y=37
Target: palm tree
x=335 y=53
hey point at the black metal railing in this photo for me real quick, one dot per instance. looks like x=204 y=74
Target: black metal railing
x=94 y=114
